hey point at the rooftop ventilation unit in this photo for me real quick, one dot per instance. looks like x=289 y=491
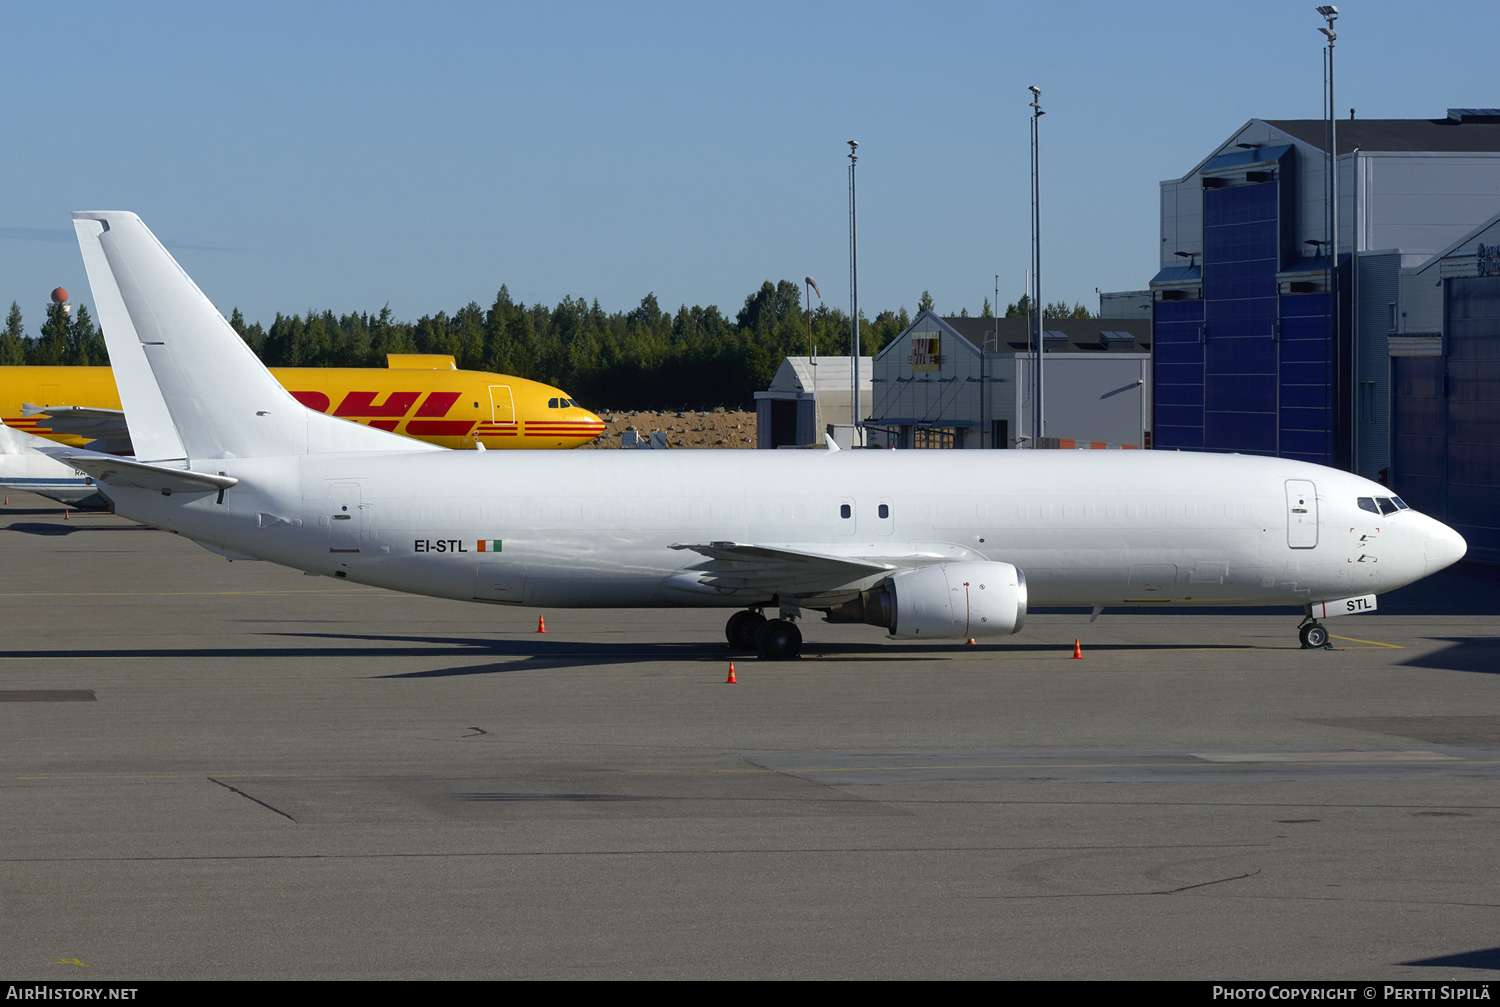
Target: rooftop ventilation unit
x=1472 y=115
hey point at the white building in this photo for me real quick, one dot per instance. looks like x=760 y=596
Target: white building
x=806 y=397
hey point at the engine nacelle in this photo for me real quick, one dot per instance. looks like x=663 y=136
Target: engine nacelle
x=944 y=602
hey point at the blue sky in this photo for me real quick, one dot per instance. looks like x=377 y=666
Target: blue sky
x=345 y=156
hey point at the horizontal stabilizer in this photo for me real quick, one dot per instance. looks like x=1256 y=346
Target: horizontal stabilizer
x=113 y=471
x=734 y=566
x=106 y=428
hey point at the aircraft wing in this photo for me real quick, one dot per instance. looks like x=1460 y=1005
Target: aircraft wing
x=756 y=569
x=106 y=425
x=123 y=472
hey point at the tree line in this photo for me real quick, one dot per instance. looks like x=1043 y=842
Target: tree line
x=644 y=358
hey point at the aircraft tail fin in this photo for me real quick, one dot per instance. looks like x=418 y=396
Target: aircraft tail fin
x=190 y=386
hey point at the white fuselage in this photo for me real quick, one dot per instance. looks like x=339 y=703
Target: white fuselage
x=596 y=529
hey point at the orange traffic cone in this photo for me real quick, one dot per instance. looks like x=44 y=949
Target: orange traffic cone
x=730 y=680
x=1077 y=651
x=541 y=624
x=65 y=514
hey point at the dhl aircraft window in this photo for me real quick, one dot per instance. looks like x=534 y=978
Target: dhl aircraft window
x=552 y=404
x=1368 y=503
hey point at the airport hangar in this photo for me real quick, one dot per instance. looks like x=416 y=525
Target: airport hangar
x=1444 y=351
x=1246 y=358
x=966 y=383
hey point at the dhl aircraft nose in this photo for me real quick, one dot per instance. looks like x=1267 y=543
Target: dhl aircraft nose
x=1444 y=547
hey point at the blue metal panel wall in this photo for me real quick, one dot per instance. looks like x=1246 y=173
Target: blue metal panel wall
x=1306 y=379
x=1177 y=383
x=1471 y=327
x=1378 y=287
x=1240 y=238
x=1419 y=425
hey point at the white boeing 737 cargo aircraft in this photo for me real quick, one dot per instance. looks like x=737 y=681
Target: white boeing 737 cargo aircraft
x=925 y=544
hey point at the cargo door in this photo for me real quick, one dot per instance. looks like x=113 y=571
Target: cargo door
x=1301 y=514
x=345 y=517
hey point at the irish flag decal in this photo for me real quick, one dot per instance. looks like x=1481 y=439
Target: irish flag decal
x=489 y=545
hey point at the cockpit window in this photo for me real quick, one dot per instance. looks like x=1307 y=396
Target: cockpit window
x=1386 y=506
x=552 y=404
x=1400 y=503
x=1368 y=503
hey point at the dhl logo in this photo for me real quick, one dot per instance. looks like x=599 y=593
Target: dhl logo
x=427 y=421
x=388 y=415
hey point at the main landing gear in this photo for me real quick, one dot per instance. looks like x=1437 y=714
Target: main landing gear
x=775 y=639
x=1312 y=634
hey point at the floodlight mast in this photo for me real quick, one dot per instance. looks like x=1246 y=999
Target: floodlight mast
x=1334 y=349
x=812 y=352
x=854 y=418
x=1040 y=418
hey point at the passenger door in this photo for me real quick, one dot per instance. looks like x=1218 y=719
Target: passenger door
x=345 y=517
x=502 y=405
x=1301 y=514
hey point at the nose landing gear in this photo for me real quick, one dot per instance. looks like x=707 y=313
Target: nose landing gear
x=1312 y=634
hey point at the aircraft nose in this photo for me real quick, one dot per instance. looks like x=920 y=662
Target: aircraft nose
x=1444 y=547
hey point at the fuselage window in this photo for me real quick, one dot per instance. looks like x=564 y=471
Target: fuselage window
x=845 y=511
x=1368 y=503
x=1386 y=507
x=885 y=511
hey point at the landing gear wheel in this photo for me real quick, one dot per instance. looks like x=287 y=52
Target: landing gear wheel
x=779 y=640
x=1313 y=636
x=741 y=629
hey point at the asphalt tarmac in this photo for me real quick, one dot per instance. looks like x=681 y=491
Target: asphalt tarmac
x=231 y=770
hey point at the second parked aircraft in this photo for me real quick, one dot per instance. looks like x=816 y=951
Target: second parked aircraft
x=420 y=395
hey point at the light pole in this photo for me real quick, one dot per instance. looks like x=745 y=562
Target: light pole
x=1039 y=422
x=1331 y=223
x=858 y=432
x=812 y=352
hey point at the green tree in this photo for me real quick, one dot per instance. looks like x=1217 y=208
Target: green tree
x=13 y=341
x=987 y=311
x=253 y=335
x=85 y=343
x=52 y=343
x=1020 y=309
x=1060 y=309
x=925 y=303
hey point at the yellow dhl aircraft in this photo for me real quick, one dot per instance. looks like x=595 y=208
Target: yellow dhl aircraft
x=421 y=395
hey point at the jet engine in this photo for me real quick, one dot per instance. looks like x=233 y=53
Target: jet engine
x=946 y=602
